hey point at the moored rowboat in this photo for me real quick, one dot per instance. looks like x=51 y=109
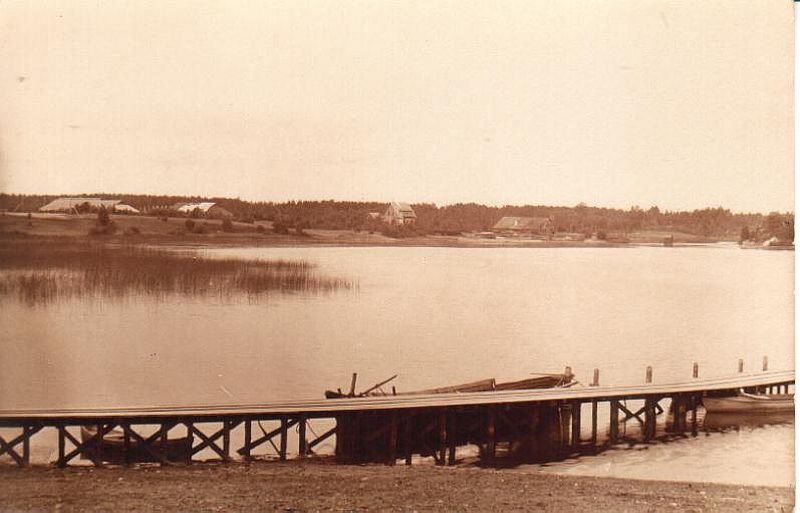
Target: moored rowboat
x=749 y=403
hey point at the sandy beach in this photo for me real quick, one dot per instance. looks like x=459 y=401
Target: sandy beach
x=319 y=486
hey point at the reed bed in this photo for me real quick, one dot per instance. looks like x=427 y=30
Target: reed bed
x=38 y=271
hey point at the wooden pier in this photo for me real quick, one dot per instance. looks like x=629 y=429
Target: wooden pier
x=526 y=425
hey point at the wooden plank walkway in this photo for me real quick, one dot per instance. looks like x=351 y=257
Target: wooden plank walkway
x=331 y=407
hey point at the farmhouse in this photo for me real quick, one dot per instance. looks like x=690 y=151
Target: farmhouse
x=74 y=205
x=399 y=213
x=203 y=209
x=525 y=226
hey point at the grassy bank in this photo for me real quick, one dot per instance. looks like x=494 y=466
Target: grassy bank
x=320 y=487
x=155 y=231
x=45 y=269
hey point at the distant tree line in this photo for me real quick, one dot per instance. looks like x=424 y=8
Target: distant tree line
x=452 y=219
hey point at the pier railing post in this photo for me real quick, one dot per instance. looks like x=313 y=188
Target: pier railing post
x=648 y=376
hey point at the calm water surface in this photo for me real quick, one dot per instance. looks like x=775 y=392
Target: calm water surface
x=435 y=316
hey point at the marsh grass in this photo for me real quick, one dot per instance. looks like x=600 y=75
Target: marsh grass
x=39 y=271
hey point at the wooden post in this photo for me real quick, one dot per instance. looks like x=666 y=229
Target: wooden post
x=491 y=442
x=442 y=438
x=576 y=425
x=613 y=431
x=248 y=436
x=392 y=449
x=594 y=424
x=189 y=434
x=353 y=385
x=694 y=415
x=226 y=440
x=765 y=364
x=163 y=439
x=451 y=439
x=62 y=445
x=408 y=437
x=649 y=418
x=648 y=377
x=741 y=365
x=302 y=443
x=695 y=370
x=284 y=441
x=678 y=413
x=26 y=446
x=596 y=378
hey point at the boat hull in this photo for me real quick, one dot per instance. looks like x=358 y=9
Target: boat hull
x=747 y=403
x=112 y=448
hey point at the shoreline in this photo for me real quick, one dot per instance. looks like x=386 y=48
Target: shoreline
x=324 y=486
x=157 y=232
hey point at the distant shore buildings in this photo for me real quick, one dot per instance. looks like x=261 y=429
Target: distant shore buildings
x=399 y=214
x=525 y=226
x=203 y=209
x=81 y=205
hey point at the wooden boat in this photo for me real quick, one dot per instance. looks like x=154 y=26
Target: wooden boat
x=722 y=421
x=484 y=385
x=112 y=448
x=750 y=403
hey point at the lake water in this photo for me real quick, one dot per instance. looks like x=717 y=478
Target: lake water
x=435 y=316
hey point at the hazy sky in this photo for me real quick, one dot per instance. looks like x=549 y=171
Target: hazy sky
x=682 y=104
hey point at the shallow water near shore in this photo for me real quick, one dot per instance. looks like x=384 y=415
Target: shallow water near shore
x=435 y=316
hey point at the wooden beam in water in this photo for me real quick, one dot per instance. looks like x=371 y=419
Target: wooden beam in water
x=392 y=443
x=491 y=441
x=62 y=443
x=408 y=437
x=649 y=418
x=594 y=424
x=442 y=449
x=264 y=439
x=302 y=443
x=164 y=440
x=248 y=438
x=576 y=425
x=451 y=431
x=613 y=431
x=7 y=447
x=321 y=438
x=126 y=443
x=284 y=432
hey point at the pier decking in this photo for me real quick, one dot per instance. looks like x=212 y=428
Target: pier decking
x=536 y=424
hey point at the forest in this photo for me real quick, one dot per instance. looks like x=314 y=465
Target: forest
x=712 y=223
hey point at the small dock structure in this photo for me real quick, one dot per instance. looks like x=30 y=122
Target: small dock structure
x=529 y=425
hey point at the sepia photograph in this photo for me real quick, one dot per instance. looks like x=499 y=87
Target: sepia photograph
x=397 y=255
